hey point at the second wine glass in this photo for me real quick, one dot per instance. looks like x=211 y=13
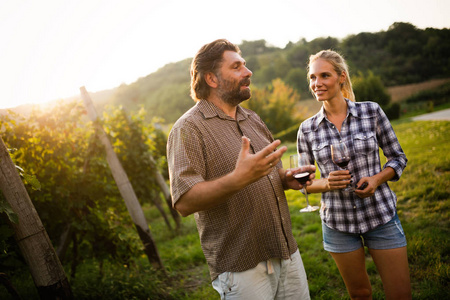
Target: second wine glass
x=301 y=160
x=341 y=157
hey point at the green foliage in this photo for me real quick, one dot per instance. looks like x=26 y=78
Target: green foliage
x=139 y=147
x=163 y=94
x=77 y=192
x=437 y=96
x=401 y=55
x=423 y=206
x=392 y=111
x=276 y=105
x=249 y=48
x=370 y=88
x=426 y=101
x=6 y=209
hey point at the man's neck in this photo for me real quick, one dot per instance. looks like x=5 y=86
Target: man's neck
x=228 y=109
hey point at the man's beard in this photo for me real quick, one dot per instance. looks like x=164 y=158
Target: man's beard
x=230 y=91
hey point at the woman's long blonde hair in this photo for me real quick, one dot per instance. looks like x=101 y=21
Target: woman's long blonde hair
x=339 y=65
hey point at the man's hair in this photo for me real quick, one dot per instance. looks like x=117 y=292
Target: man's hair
x=208 y=59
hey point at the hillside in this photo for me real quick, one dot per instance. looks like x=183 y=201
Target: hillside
x=419 y=62
x=98 y=97
x=420 y=57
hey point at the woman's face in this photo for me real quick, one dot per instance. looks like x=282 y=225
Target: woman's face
x=324 y=82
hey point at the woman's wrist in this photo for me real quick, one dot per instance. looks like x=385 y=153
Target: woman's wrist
x=319 y=186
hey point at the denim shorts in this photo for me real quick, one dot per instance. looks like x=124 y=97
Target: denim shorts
x=387 y=236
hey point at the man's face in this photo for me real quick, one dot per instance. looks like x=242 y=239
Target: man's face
x=233 y=79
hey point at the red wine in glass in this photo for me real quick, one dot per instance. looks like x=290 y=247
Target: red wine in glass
x=300 y=160
x=342 y=162
x=341 y=157
x=302 y=177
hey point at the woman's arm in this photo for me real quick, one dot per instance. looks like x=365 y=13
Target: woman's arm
x=336 y=180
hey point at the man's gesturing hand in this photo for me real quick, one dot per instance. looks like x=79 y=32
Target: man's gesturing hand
x=251 y=167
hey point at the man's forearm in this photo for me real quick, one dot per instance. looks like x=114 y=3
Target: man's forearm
x=208 y=194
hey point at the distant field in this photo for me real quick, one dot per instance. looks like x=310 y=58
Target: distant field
x=401 y=92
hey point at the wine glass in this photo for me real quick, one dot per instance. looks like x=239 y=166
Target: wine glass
x=341 y=157
x=300 y=160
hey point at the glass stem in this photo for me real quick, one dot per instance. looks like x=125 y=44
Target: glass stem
x=306 y=196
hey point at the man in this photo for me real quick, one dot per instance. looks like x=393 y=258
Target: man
x=225 y=168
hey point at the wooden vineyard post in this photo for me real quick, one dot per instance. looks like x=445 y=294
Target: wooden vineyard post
x=161 y=183
x=30 y=234
x=166 y=193
x=125 y=188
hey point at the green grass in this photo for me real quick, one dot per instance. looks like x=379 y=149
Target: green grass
x=423 y=206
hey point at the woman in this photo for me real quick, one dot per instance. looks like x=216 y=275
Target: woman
x=367 y=215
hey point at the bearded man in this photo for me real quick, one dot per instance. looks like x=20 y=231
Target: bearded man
x=225 y=169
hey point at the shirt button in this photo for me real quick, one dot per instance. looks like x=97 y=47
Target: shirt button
x=354 y=207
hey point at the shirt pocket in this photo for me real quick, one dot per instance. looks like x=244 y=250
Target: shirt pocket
x=322 y=153
x=365 y=143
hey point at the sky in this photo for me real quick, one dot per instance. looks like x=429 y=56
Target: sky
x=51 y=48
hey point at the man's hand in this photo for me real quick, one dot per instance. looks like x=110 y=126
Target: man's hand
x=251 y=167
x=292 y=183
x=248 y=169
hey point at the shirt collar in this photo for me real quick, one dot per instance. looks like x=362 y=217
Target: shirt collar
x=352 y=110
x=320 y=116
x=210 y=110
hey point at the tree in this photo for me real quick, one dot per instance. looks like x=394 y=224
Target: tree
x=276 y=105
x=296 y=78
x=370 y=88
x=255 y=47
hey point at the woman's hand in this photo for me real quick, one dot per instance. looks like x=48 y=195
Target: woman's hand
x=338 y=180
x=373 y=182
x=366 y=187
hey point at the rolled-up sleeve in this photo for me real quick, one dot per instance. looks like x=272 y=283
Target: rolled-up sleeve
x=184 y=155
x=396 y=158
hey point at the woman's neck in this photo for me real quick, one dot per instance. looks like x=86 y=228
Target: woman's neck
x=335 y=107
x=336 y=111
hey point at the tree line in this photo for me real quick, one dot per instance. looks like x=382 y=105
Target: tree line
x=403 y=54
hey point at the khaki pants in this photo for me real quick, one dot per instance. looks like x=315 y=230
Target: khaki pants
x=272 y=279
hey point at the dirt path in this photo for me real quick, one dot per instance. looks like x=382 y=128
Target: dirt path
x=437 y=115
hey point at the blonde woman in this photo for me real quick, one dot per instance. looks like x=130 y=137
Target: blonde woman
x=365 y=216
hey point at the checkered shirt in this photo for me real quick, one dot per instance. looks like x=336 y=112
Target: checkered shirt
x=365 y=130
x=252 y=225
